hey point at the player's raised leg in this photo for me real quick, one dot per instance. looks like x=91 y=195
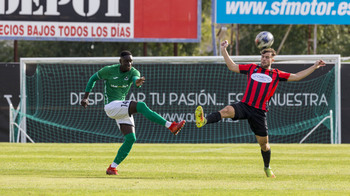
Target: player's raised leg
x=141 y=107
x=226 y=112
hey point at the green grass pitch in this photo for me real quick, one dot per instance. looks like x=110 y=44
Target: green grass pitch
x=174 y=169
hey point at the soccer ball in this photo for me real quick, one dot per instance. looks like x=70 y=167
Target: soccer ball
x=264 y=40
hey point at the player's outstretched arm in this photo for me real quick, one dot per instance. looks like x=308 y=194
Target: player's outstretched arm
x=302 y=74
x=229 y=62
x=90 y=85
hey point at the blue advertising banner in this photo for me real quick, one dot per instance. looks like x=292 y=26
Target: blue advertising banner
x=283 y=12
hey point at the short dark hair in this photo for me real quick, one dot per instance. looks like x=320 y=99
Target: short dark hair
x=125 y=53
x=266 y=50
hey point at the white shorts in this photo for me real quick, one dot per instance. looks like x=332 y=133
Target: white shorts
x=119 y=110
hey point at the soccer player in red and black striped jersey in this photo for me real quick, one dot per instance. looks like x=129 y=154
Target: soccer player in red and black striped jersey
x=262 y=81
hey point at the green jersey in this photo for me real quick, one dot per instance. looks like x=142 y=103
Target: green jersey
x=117 y=83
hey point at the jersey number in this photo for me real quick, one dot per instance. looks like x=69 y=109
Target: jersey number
x=124 y=104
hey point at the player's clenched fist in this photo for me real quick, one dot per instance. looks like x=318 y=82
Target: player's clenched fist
x=224 y=44
x=84 y=103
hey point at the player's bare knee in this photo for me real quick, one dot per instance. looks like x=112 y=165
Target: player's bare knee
x=227 y=112
x=265 y=147
x=132 y=107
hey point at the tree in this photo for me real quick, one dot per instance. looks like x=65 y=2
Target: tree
x=6 y=51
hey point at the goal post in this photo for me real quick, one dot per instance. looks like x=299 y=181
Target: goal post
x=51 y=90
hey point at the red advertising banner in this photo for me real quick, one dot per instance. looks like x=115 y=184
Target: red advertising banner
x=101 y=20
x=167 y=19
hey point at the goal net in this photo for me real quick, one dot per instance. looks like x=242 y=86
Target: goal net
x=307 y=111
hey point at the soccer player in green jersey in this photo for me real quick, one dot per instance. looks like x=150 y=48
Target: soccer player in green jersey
x=118 y=80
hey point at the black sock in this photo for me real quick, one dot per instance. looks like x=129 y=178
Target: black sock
x=266 y=157
x=213 y=117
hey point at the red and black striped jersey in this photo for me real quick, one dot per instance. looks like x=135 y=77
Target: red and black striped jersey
x=262 y=84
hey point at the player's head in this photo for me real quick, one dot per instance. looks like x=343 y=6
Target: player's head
x=267 y=57
x=125 y=61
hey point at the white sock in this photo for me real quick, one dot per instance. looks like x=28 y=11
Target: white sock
x=168 y=124
x=114 y=165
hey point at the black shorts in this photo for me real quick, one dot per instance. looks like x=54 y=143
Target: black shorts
x=256 y=117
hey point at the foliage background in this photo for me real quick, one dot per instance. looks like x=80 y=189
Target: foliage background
x=331 y=39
